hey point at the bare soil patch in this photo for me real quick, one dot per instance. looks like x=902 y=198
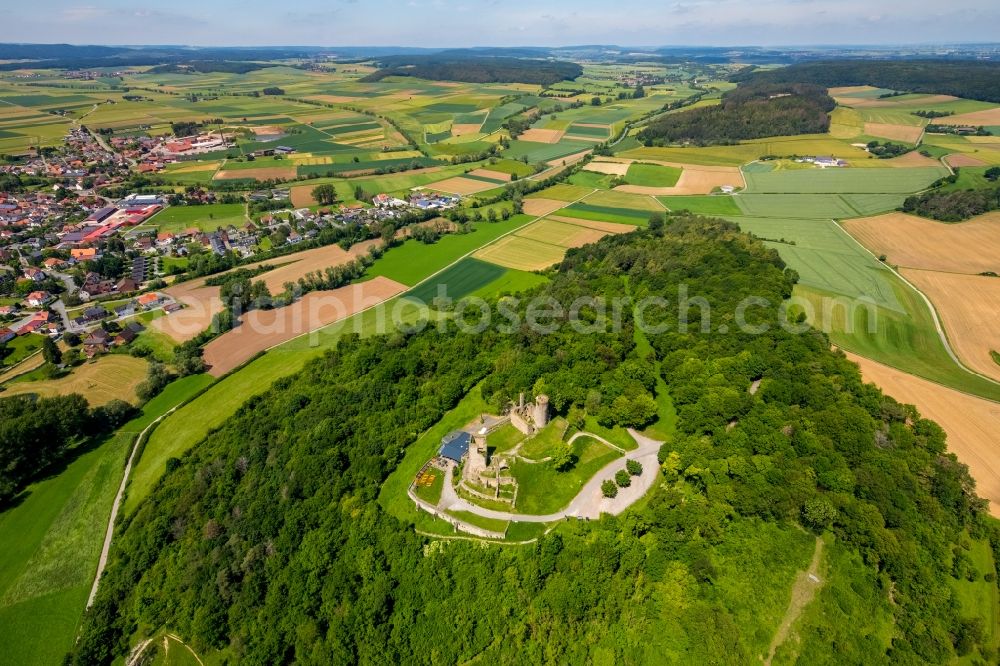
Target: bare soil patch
x=969 y=306
x=970 y=247
x=539 y=207
x=461 y=129
x=911 y=159
x=266 y=130
x=267 y=173
x=460 y=185
x=301 y=196
x=201 y=303
x=541 y=135
x=609 y=168
x=971 y=422
x=893 y=101
x=907 y=133
x=495 y=175
x=985 y=117
x=260 y=330
x=316 y=259
x=963 y=160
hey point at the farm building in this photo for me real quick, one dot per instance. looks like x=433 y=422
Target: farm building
x=455 y=445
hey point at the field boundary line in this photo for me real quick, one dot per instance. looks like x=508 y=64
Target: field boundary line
x=109 y=533
x=942 y=334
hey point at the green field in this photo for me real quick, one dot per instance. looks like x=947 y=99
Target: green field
x=456 y=281
x=19 y=349
x=209 y=217
x=703 y=205
x=821 y=206
x=652 y=175
x=838 y=181
x=53 y=538
x=414 y=261
x=584 y=211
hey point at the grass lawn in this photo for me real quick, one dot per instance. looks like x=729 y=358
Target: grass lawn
x=980 y=598
x=431 y=493
x=414 y=261
x=547 y=442
x=19 y=349
x=53 y=538
x=617 y=435
x=652 y=175
x=99 y=381
x=526 y=531
x=543 y=490
x=504 y=438
x=207 y=218
x=491 y=524
x=704 y=205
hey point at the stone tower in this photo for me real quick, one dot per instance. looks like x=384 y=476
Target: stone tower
x=541 y=413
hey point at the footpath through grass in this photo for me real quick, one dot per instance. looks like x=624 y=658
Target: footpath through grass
x=52 y=540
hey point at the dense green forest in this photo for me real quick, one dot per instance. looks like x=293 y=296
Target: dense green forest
x=953 y=205
x=266 y=541
x=962 y=78
x=748 y=112
x=36 y=434
x=472 y=69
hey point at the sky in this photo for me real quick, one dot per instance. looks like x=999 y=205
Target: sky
x=457 y=23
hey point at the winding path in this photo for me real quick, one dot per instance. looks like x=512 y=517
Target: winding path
x=589 y=503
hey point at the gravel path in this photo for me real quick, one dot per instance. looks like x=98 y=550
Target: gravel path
x=590 y=502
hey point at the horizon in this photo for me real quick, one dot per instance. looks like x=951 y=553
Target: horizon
x=559 y=23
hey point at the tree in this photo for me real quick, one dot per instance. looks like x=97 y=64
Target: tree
x=565 y=461
x=634 y=467
x=50 y=352
x=609 y=489
x=992 y=174
x=818 y=513
x=325 y=194
x=623 y=478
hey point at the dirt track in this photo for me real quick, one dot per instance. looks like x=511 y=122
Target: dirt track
x=971 y=423
x=969 y=306
x=262 y=329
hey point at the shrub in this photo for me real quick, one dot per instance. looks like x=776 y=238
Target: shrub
x=609 y=488
x=634 y=467
x=623 y=478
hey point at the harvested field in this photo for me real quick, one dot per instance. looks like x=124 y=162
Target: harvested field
x=971 y=423
x=563 y=234
x=268 y=173
x=609 y=168
x=963 y=160
x=201 y=304
x=266 y=130
x=463 y=129
x=610 y=227
x=100 y=381
x=540 y=207
x=301 y=196
x=695 y=178
x=910 y=159
x=495 y=175
x=521 y=253
x=460 y=185
x=541 y=135
x=863 y=103
x=969 y=307
x=317 y=259
x=985 y=117
x=260 y=330
x=568 y=159
x=849 y=90
x=907 y=133
x=913 y=242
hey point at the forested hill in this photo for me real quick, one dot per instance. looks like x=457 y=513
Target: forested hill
x=751 y=111
x=970 y=79
x=476 y=69
x=266 y=541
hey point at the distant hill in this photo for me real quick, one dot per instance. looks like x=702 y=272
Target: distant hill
x=749 y=112
x=962 y=78
x=469 y=68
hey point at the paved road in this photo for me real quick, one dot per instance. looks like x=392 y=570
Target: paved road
x=590 y=502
